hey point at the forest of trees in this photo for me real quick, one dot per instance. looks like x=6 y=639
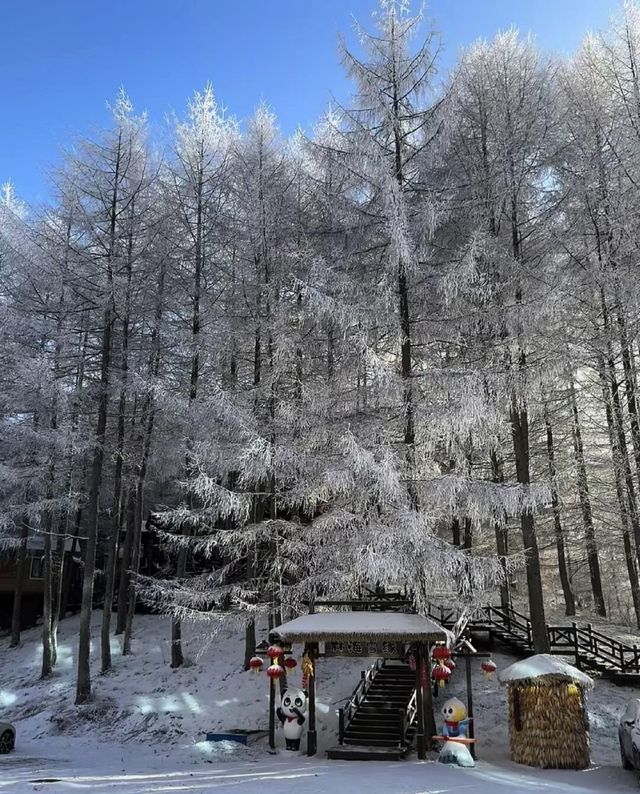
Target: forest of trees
x=401 y=351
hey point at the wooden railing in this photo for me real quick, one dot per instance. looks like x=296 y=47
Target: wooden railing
x=347 y=713
x=586 y=644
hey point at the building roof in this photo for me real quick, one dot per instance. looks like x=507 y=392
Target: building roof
x=364 y=626
x=545 y=669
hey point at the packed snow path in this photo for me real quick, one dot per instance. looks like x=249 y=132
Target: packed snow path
x=125 y=770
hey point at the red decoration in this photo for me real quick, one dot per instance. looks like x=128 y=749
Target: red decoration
x=441 y=653
x=424 y=675
x=412 y=662
x=441 y=674
x=255 y=664
x=488 y=668
x=274 y=651
x=450 y=664
x=290 y=663
x=274 y=671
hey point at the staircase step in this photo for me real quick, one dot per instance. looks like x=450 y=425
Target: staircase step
x=354 y=753
x=362 y=736
x=371 y=741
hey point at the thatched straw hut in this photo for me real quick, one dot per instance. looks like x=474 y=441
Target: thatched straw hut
x=548 y=723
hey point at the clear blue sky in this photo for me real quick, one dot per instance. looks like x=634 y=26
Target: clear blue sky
x=61 y=60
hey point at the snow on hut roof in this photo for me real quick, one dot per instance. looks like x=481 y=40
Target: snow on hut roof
x=543 y=666
x=336 y=626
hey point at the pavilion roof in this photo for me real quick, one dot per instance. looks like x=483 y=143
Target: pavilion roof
x=364 y=626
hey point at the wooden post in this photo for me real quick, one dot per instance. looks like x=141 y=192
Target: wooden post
x=312 y=736
x=272 y=713
x=471 y=732
x=429 y=718
x=420 y=738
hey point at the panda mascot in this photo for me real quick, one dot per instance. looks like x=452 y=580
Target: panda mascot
x=290 y=712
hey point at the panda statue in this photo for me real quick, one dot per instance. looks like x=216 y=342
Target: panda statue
x=290 y=712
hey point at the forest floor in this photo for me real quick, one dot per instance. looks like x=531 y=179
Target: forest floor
x=145 y=729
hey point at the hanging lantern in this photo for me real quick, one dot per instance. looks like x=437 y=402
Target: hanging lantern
x=290 y=663
x=255 y=664
x=441 y=674
x=274 y=651
x=412 y=662
x=440 y=653
x=488 y=668
x=274 y=671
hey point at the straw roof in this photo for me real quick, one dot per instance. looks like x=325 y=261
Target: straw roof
x=363 y=626
x=545 y=670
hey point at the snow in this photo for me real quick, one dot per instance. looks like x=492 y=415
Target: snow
x=361 y=626
x=145 y=731
x=541 y=665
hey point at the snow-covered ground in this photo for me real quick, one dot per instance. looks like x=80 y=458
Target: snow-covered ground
x=144 y=731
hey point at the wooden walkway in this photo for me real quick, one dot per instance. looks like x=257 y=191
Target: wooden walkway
x=591 y=649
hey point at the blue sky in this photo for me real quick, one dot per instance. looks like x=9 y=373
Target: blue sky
x=61 y=60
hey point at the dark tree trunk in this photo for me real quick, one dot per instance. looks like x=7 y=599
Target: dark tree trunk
x=125 y=564
x=135 y=567
x=569 y=600
x=585 y=506
x=47 y=603
x=502 y=535
x=520 y=430
x=618 y=467
x=249 y=642
x=83 y=686
x=455 y=532
x=116 y=516
x=22 y=559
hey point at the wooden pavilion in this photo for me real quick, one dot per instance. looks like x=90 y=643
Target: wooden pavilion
x=396 y=629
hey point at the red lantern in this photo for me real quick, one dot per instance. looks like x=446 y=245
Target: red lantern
x=440 y=653
x=274 y=651
x=255 y=664
x=441 y=674
x=274 y=671
x=488 y=668
x=412 y=662
x=290 y=663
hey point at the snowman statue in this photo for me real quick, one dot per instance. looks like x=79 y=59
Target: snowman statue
x=290 y=712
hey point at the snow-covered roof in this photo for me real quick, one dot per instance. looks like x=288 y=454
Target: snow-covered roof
x=543 y=666
x=328 y=626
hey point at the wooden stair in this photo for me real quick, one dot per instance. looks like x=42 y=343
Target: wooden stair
x=376 y=730
x=591 y=649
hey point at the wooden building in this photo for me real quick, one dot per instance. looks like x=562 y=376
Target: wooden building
x=33 y=582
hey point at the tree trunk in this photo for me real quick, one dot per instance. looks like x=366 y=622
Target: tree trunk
x=83 y=687
x=569 y=600
x=520 y=430
x=135 y=567
x=22 y=558
x=502 y=535
x=616 y=453
x=116 y=518
x=47 y=604
x=585 y=506
x=249 y=642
